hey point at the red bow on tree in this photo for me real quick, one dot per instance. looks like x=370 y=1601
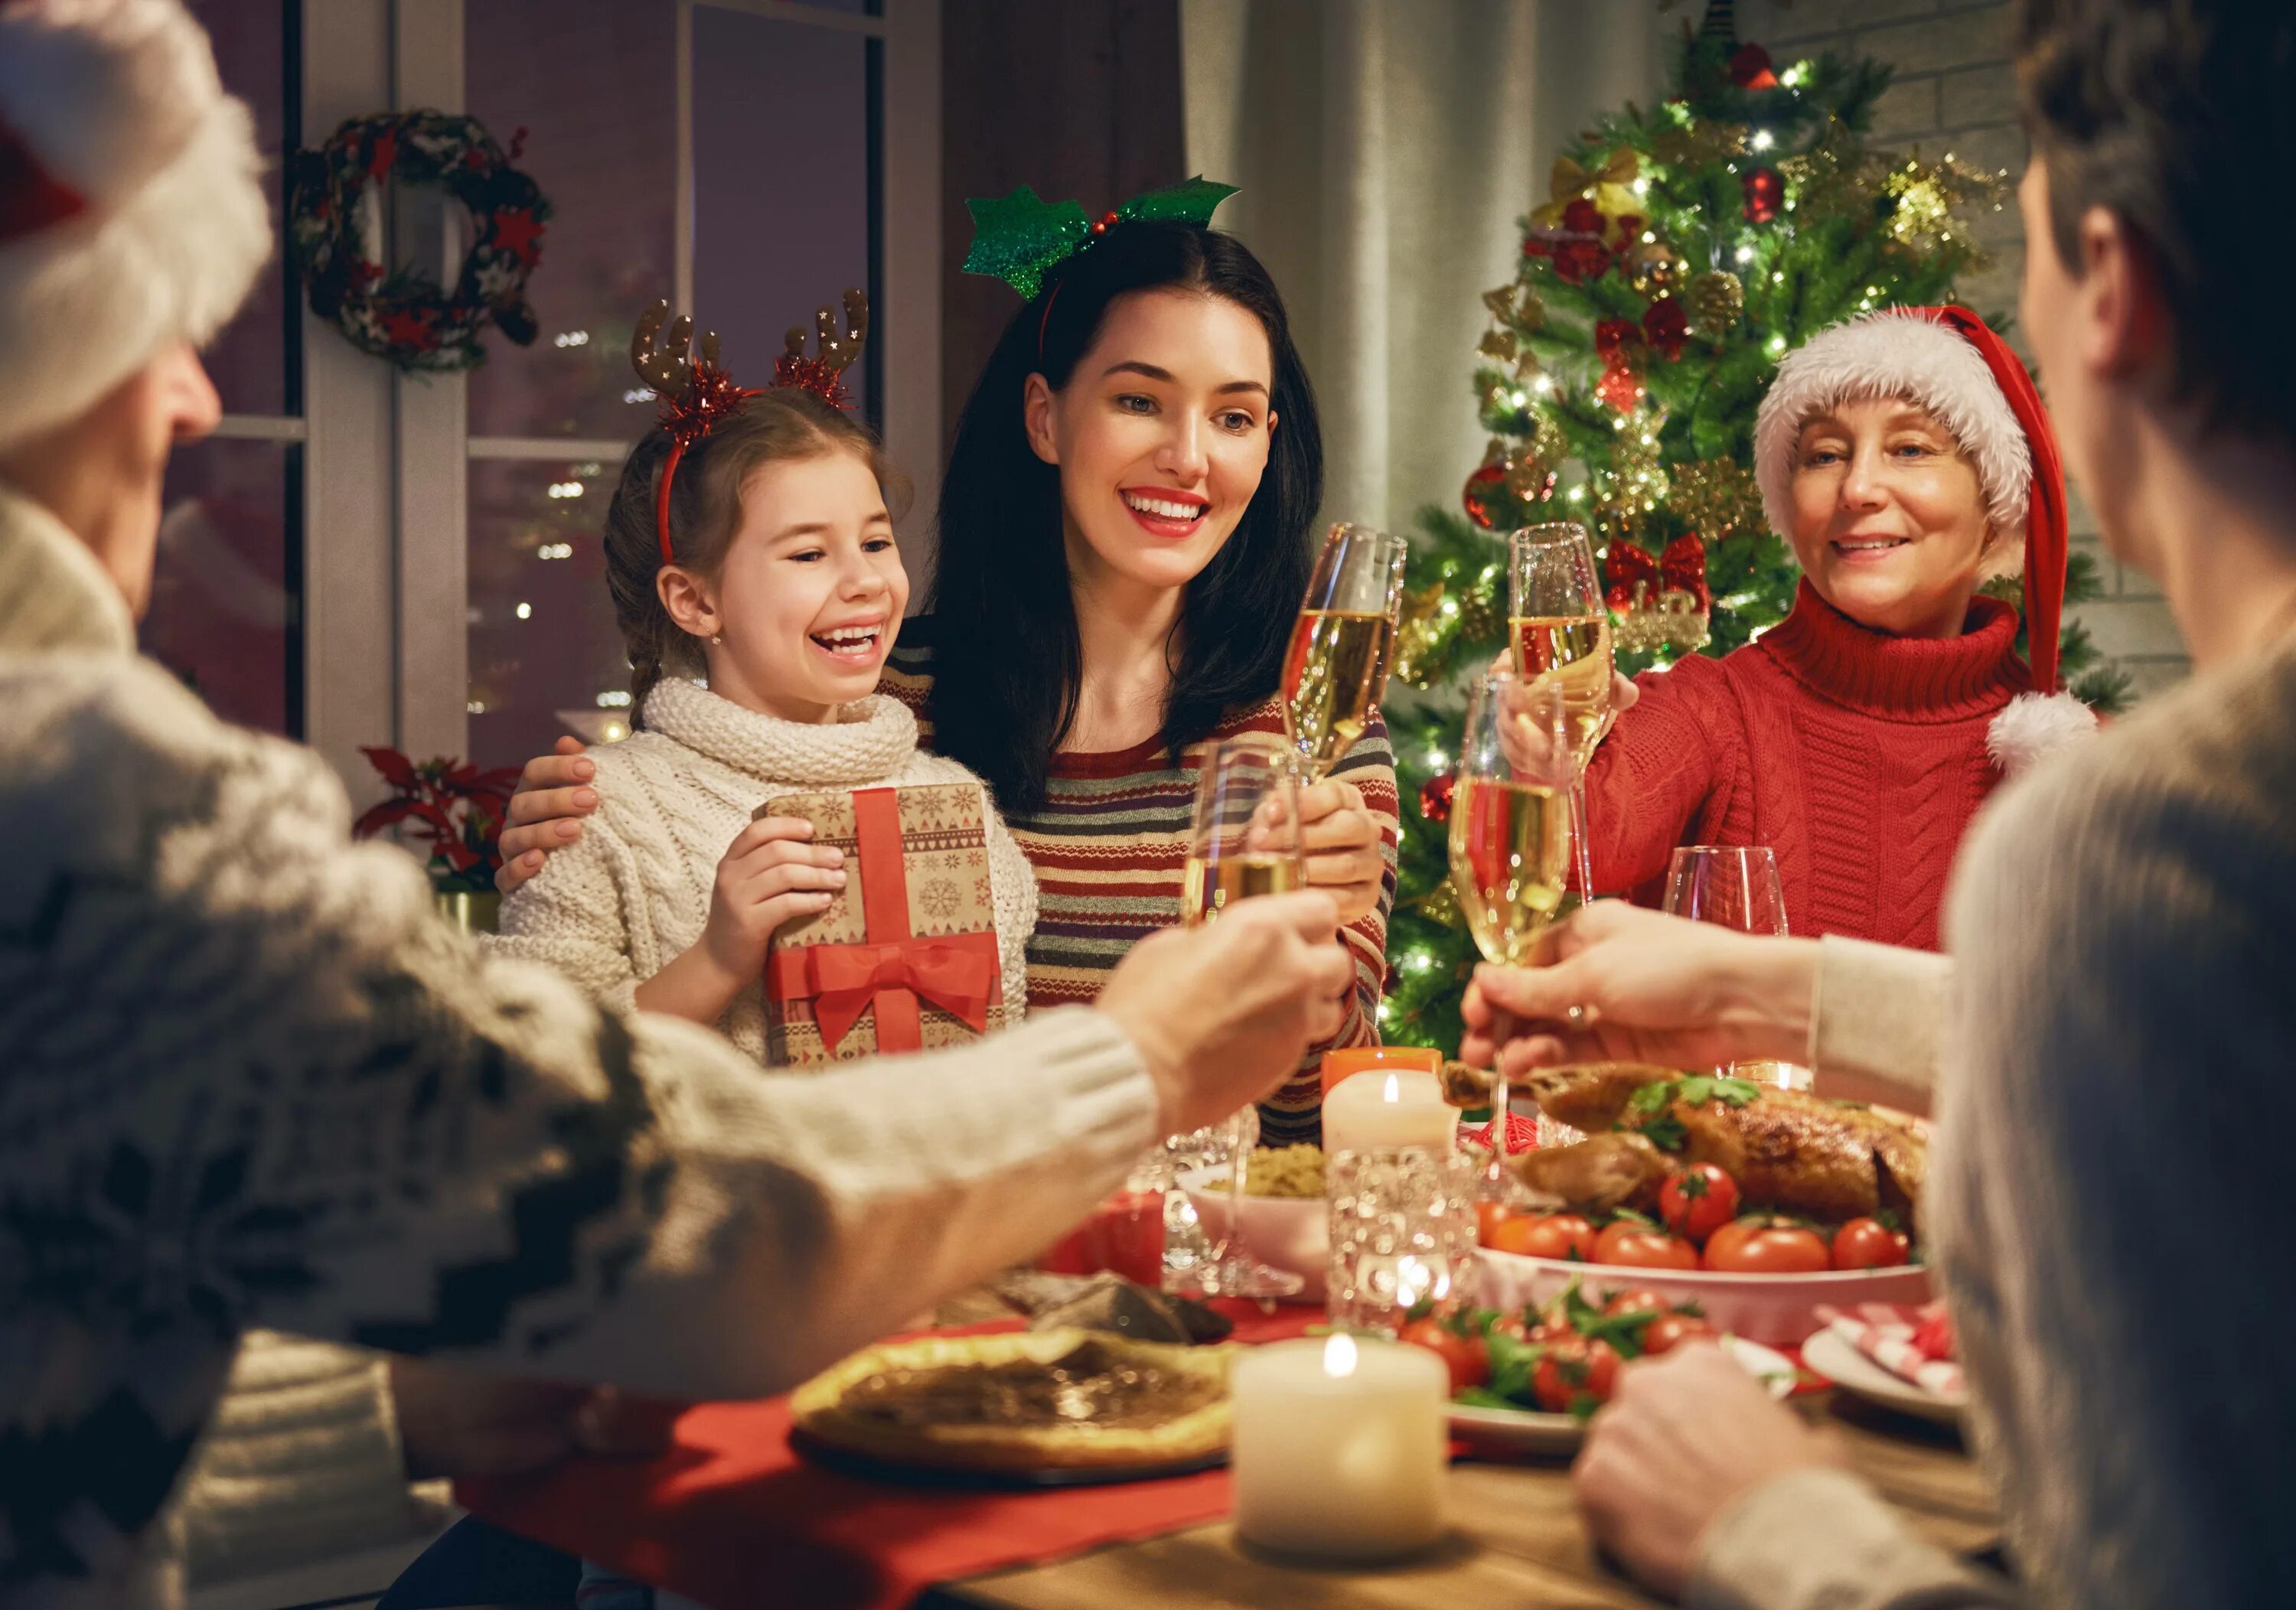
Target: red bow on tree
x=1683 y=568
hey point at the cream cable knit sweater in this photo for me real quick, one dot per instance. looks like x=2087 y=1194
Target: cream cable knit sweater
x=632 y=893
x=248 y=1079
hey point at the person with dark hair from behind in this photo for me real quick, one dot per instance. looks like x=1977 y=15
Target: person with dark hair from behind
x=2117 y=1013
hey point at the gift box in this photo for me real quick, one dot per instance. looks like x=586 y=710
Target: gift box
x=905 y=959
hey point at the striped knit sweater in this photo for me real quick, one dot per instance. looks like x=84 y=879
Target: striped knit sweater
x=1108 y=845
x=1858 y=757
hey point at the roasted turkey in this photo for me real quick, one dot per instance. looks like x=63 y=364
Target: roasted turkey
x=1787 y=1149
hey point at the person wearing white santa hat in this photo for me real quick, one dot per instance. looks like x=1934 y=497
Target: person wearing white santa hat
x=1905 y=457
x=248 y=1078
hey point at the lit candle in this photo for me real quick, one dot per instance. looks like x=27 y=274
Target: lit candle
x=1379 y=1108
x=1340 y=1448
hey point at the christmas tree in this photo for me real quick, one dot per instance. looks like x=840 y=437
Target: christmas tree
x=1684 y=250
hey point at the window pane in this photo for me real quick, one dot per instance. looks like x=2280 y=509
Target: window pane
x=594 y=84
x=781 y=180
x=543 y=646
x=251 y=359
x=224 y=614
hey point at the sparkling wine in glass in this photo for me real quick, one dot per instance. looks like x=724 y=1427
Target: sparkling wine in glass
x=1735 y=887
x=1335 y=669
x=1560 y=629
x=1244 y=842
x=1510 y=829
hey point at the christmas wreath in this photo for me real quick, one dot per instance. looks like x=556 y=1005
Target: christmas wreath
x=335 y=222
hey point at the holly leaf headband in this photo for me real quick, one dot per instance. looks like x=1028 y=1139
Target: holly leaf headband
x=695 y=391
x=1020 y=238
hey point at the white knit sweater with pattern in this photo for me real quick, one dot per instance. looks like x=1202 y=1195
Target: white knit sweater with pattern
x=632 y=894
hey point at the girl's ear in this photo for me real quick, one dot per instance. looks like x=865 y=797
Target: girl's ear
x=687 y=601
x=1038 y=408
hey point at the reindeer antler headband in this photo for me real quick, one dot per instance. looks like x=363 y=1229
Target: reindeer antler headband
x=696 y=392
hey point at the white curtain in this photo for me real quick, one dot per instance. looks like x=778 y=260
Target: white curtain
x=1386 y=149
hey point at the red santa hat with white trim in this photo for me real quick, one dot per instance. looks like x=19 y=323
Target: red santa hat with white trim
x=1948 y=360
x=132 y=207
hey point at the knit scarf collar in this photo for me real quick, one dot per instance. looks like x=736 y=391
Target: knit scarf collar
x=1937 y=679
x=874 y=738
x=53 y=593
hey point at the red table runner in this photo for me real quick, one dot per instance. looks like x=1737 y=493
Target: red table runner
x=730 y=1517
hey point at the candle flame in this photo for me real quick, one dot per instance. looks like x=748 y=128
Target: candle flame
x=1394 y=1092
x=1340 y=1355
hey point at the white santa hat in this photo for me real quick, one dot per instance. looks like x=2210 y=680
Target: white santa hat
x=1948 y=360
x=132 y=207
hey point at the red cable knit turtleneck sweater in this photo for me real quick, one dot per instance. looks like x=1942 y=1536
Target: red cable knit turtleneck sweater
x=1859 y=757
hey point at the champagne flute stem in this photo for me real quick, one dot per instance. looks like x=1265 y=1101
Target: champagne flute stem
x=1578 y=840
x=1233 y=1253
x=1499 y=1116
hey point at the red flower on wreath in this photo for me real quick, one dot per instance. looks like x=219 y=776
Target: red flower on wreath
x=409 y=328
x=519 y=234
x=383 y=153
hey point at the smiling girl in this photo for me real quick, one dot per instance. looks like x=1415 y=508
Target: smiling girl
x=783 y=587
x=1905 y=458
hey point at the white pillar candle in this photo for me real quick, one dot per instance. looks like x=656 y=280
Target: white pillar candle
x=1378 y=1107
x=1340 y=1448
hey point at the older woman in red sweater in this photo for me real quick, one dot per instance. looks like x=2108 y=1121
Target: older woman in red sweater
x=1905 y=457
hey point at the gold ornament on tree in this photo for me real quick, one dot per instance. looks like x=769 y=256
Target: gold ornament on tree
x=1419 y=634
x=1533 y=465
x=1482 y=605
x=1716 y=300
x=1653 y=267
x=1439 y=904
x=1716 y=496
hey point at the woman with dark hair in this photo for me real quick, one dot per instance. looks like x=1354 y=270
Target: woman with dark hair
x=1125 y=539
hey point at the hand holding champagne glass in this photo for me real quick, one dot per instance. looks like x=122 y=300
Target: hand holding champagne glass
x=1560 y=630
x=1335 y=670
x=1243 y=842
x=1510 y=821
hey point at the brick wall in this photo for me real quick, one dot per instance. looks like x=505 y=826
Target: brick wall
x=1954 y=92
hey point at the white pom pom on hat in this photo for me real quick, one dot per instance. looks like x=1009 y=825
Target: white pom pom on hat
x=1950 y=362
x=132 y=206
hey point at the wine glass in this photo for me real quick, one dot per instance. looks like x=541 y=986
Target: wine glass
x=1560 y=629
x=1335 y=670
x=1735 y=887
x=1510 y=823
x=1243 y=842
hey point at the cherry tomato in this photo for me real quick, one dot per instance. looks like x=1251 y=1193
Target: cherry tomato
x=1639 y=1247
x=1513 y=1326
x=1467 y=1358
x=1547 y=1235
x=1573 y=1365
x=1670 y=1331
x=1637 y=1302
x=1698 y=1201
x=1870 y=1244
x=1759 y=1244
x=1489 y=1217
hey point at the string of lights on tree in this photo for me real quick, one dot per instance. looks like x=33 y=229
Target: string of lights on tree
x=1682 y=250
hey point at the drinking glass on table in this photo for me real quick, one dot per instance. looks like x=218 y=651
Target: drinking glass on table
x=1243 y=842
x=1335 y=670
x=1737 y=888
x=1560 y=629
x=1511 y=823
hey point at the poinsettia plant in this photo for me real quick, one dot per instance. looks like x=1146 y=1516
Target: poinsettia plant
x=454 y=806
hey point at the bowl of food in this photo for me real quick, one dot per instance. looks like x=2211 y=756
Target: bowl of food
x=1284 y=1219
x=1760 y=1206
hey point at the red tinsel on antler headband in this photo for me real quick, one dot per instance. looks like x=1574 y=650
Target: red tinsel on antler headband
x=696 y=392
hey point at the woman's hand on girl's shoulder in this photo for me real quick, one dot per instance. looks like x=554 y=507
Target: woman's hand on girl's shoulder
x=1341 y=839
x=545 y=814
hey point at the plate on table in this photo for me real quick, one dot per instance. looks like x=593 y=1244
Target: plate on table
x=1777 y=1311
x=1834 y=1357
x=1536 y=1431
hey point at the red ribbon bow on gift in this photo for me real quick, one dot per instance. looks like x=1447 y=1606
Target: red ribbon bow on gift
x=1681 y=569
x=1628 y=563
x=956 y=972
x=1683 y=566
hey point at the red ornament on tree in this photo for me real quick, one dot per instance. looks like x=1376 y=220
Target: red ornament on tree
x=1765 y=193
x=1621 y=387
x=1751 y=68
x=1665 y=326
x=1435 y=798
x=1482 y=487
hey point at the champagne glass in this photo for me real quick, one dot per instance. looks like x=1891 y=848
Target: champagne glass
x=1511 y=823
x=1244 y=842
x=1335 y=670
x=1560 y=629
x=1735 y=887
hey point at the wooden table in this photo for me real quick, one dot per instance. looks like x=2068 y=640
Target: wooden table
x=1516 y=1542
